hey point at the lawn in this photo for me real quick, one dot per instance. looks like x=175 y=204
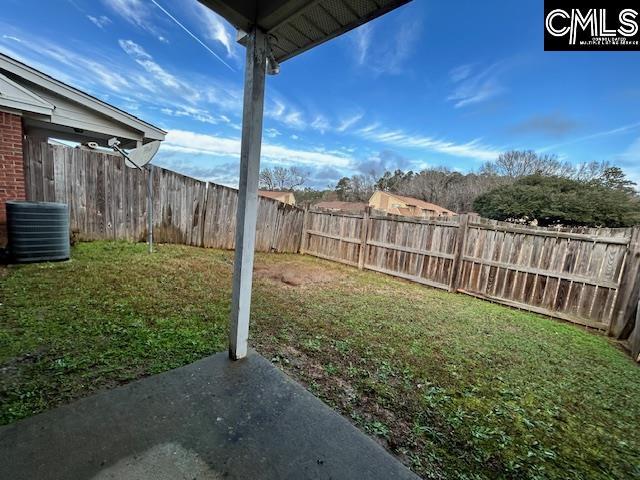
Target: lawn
x=456 y=387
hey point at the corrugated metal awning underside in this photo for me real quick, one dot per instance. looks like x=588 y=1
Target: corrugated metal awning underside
x=298 y=25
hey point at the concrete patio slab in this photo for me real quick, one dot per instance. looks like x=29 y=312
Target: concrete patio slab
x=210 y=420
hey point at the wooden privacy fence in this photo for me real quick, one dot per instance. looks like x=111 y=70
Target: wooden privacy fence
x=587 y=276
x=573 y=274
x=107 y=200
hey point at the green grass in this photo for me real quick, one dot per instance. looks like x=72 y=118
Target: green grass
x=456 y=387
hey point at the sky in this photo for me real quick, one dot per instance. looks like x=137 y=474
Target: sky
x=431 y=84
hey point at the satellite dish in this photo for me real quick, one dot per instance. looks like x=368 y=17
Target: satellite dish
x=139 y=157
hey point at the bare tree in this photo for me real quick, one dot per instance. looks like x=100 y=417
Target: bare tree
x=429 y=184
x=448 y=189
x=457 y=191
x=281 y=178
x=520 y=163
x=357 y=188
x=589 y=171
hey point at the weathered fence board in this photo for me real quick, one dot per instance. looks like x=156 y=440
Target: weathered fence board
x=628 y=295
x=634 y=338
x=569 y=273
x=334 y=237
x=422 y=251
x=107 y=200
x=573 y=274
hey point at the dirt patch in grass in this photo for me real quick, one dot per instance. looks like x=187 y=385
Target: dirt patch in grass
x=17 y=365
x=294 y=274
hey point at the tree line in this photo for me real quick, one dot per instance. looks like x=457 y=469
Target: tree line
x=519 y=186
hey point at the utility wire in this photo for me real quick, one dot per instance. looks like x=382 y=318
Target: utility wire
x=192 y=35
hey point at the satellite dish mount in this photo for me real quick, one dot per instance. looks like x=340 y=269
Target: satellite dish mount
x=138 y=158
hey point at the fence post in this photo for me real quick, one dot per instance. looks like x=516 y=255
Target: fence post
x=622 y=315
x=363 y=238
x=634 y=338
x=203 y=216
x=149 y=170
x=456 y=265
x=303 y=237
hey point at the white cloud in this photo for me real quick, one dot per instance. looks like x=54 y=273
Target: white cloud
x=133 y=49
x=138 y=13
x=191 y=142
x=398 y=138
x=144 y=84
x=158 y=73
x=194 y=113
x=71 y=67
x=272 y=132
x=100 y=22
x=149 y=86
x=11 y=37
x=362 y=37
x=475 y=88
x=369 y=128
x=348 y=122
x=320 y=123
x=200 y=167
x=383 y=52
x=460 y=73
x=226 y=96
x=216 y=29
x=190 y=33
x=293 y=119
x=277 y=109
x=285 y=113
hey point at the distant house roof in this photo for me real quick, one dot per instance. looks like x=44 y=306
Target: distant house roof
x=404 y=211
x=51 y=108
x=421 y=204
x=342 y=206
x=271 y=194
x=284 y=197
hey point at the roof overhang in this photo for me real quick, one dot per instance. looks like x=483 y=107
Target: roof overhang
x=295 y=26
x=52 y=108
x=15 y=97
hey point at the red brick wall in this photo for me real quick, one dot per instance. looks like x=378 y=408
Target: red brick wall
x=12 y=181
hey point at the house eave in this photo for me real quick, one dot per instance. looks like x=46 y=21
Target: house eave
x=44 y=81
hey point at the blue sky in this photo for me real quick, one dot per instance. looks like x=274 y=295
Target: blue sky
x=431 y=84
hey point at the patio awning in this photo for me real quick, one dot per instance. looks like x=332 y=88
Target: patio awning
x=298 y=25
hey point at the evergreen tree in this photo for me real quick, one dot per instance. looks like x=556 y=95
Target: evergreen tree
x=557 y=200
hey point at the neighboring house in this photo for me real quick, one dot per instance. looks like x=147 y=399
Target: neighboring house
x=406 y=206
x=284 y=197
x=337 y=206
x=35 y=105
